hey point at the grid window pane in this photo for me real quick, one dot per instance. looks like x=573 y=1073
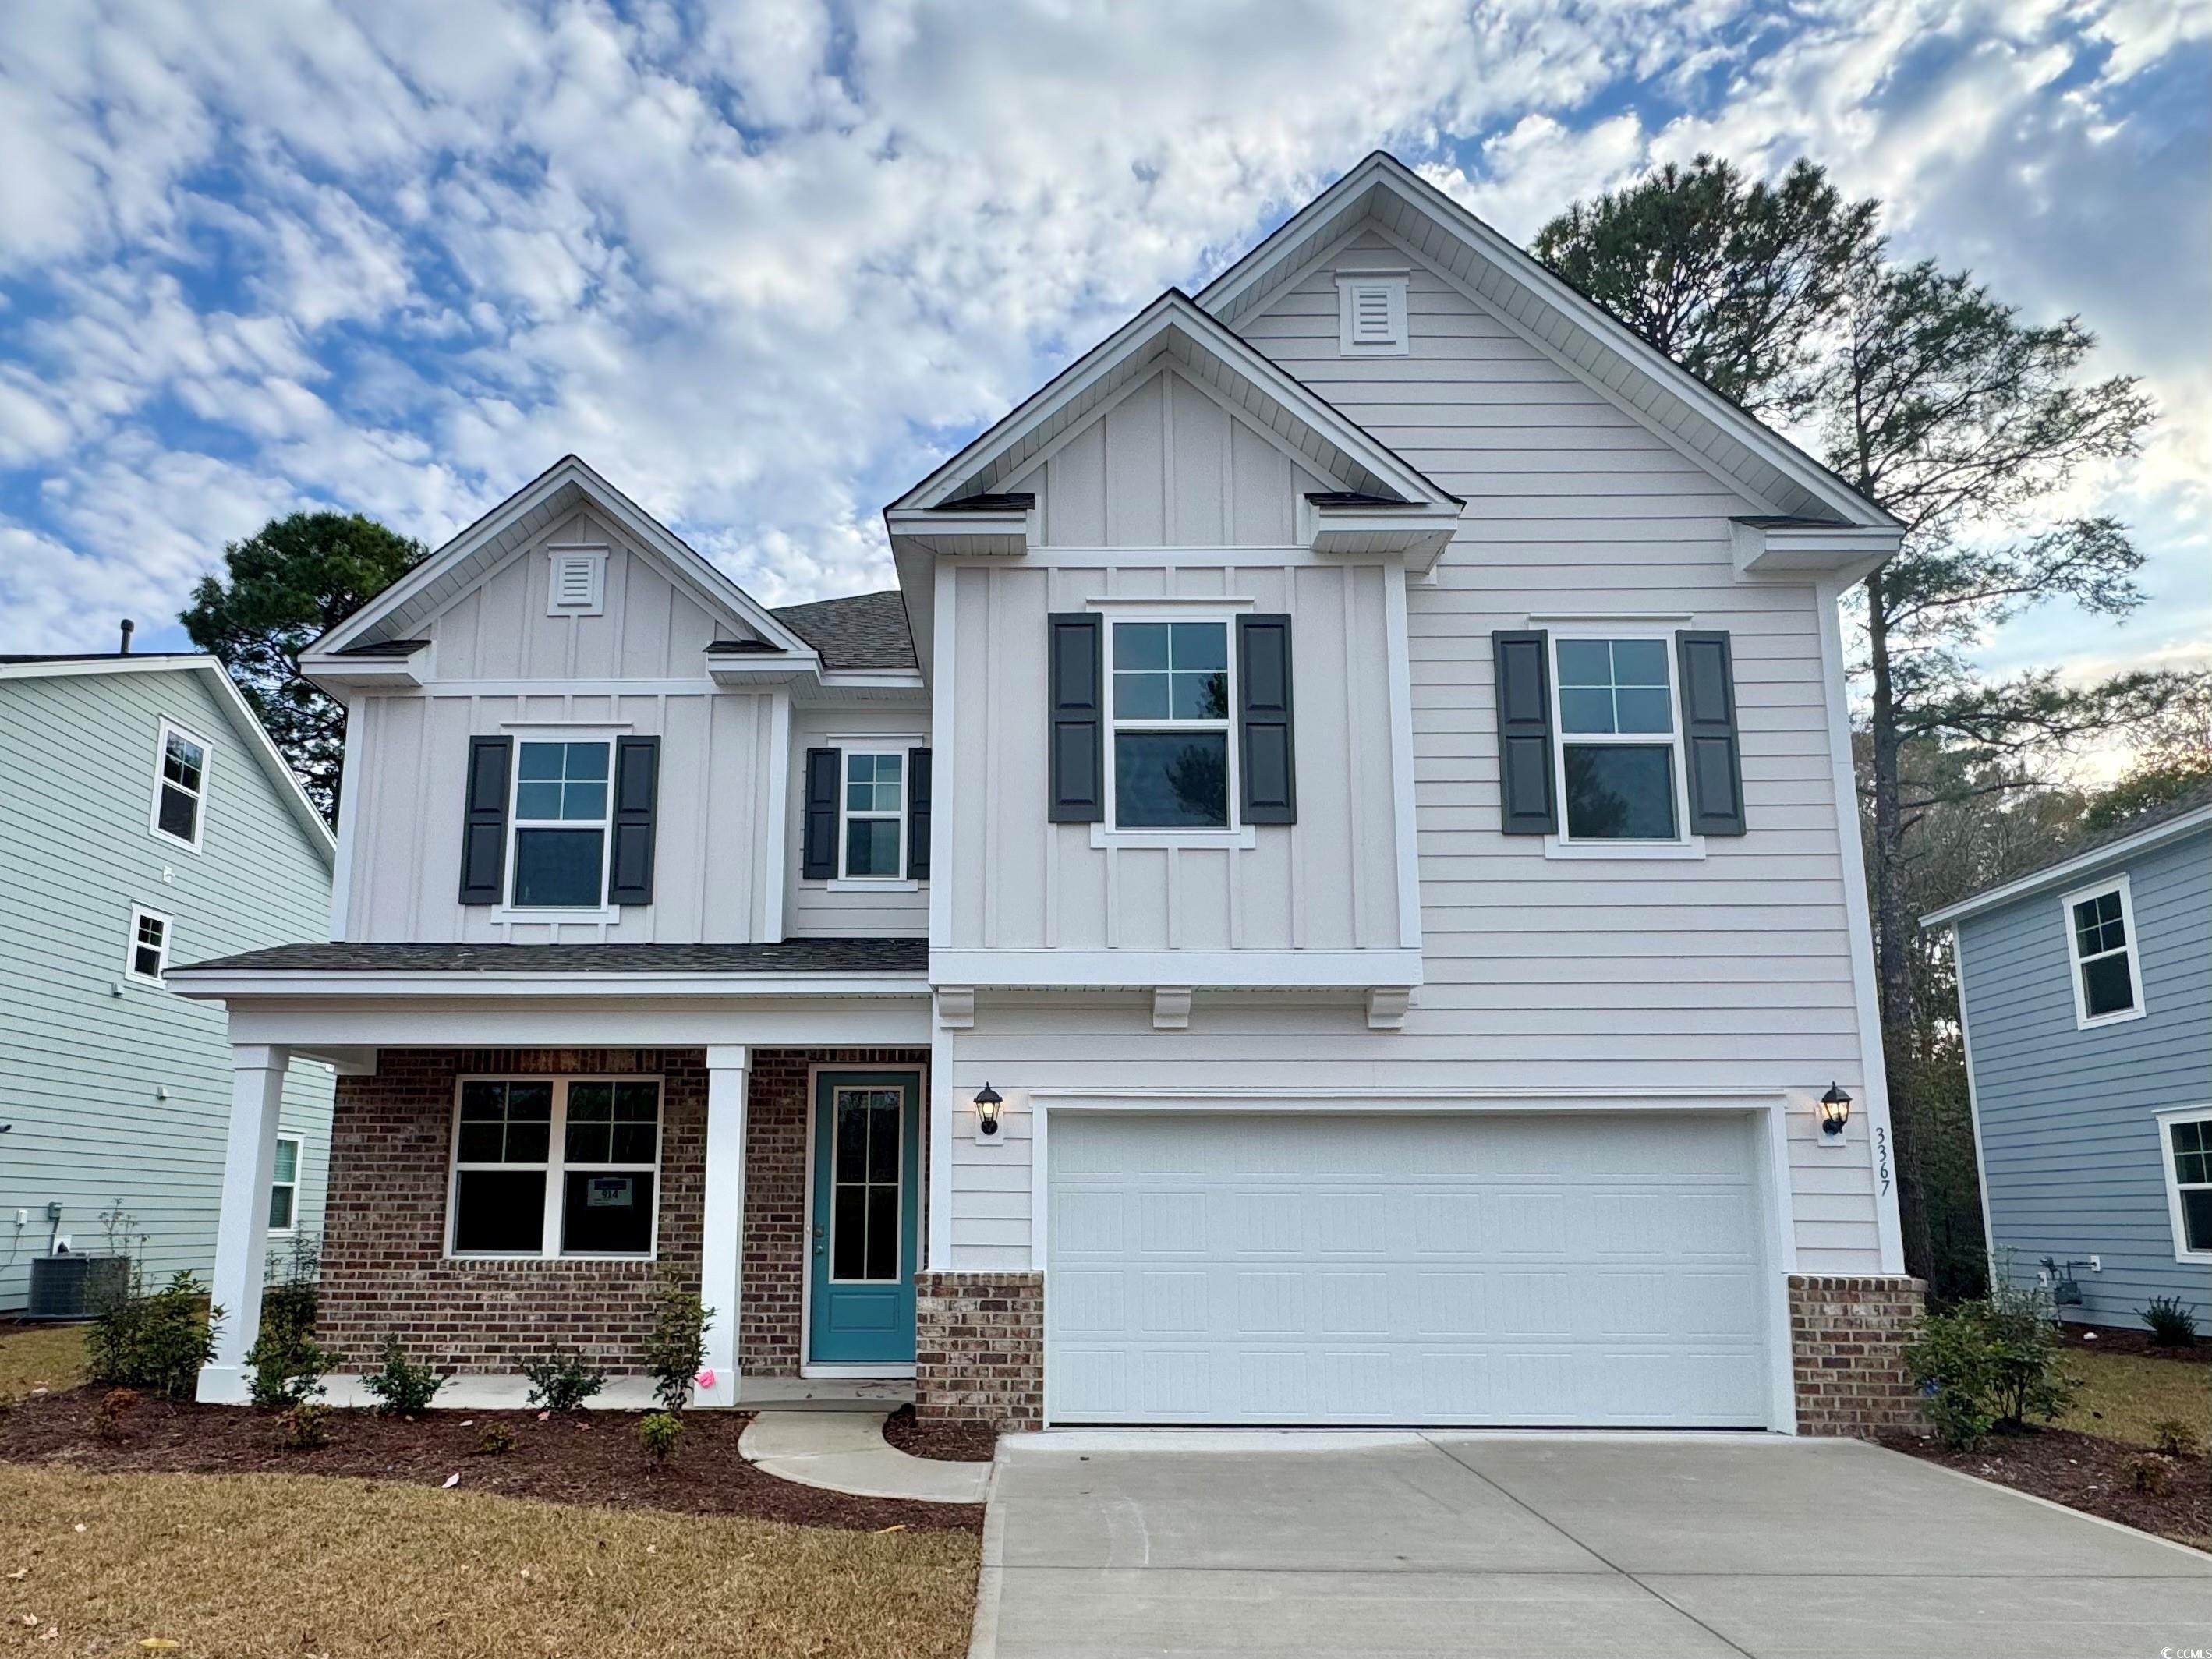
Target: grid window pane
x=2099 y=926
x=872 y=847
x=1140 y=645
x=848 y=1227
x=1171 y=671
x=506 y=1122
x=2107 y=987
x=1171 y=780
x=607 y=1214
x=557 y=867
x=1619 y=791
x=563 y=782
x=883 y=1258
x=1613 y=685
x=182 y=761
x=499 y=1211
x=2193 y=1154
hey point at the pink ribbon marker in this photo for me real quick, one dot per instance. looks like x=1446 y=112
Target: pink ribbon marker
x=707 y=1377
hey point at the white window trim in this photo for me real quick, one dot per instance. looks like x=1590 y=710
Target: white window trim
x=507 y=909
x=1108 y=832
x=169 y=728
x=591 y=554
x=1394 y=283
x=2166 y=1121
x=1559 y=844
x=2083 y=1020
x=138 y=913
x=875 y=748
x=299 y=1163
x=555 y=1168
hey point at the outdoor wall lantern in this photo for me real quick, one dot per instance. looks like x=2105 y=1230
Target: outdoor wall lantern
x=987 y=1102
x=1835 y=1110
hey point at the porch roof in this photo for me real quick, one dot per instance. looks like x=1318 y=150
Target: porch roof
x=792 y=956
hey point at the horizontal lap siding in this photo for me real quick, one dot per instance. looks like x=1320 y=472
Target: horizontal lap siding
x=2070 y=1147
x=87 y=1052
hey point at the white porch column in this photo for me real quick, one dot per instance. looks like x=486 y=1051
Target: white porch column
x=241 y=1240
x=722 y=1254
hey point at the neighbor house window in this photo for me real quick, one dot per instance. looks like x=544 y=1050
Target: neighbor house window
x=2188 y=1154
x=2100 y=926
x=147 y=957
x=1171 y=702
x=179 y=785
x=555 y=1166
x=874 y=807
x=561 y=798
x=1620 y=755
x=284 y=1186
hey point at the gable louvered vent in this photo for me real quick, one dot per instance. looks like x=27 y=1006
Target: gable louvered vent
x=580 y=581
x=1373 y=313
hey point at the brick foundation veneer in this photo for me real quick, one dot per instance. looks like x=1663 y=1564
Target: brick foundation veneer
x=979 y=1348
x=1847 y=1337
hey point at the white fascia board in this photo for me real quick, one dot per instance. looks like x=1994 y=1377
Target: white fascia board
x=339 y=675
x=2058 y=875
x=1419 y=534
x=1258 y=970
x=1845 y=553
x=363 y=1025
x=964 y=534
x=248 y=725
x=238 y=985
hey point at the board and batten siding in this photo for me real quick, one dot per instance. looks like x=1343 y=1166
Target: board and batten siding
x=87 y=1051
x=823 y=909
x=497 y=662
x=1733 y=971
x=2072 y=1159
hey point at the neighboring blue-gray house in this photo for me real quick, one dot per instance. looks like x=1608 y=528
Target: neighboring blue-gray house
x=2085 y=989
x=145 y=819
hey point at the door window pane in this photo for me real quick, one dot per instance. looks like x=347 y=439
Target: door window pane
x=1619 y=791
x=1171 y=780
x=499 y=1211
x=866 y=1142
x=557 y=866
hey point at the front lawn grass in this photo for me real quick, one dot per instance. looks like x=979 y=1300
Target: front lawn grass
x=243 y=1565
x=39 y=1356
x=2122 y=1394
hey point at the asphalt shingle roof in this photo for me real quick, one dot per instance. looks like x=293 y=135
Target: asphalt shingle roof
x=793 y=955
x=868 y=630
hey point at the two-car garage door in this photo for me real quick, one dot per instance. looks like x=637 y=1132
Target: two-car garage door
x=1298 y=1267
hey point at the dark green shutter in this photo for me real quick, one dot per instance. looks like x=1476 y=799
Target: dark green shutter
x=1713 y=754
x=818 y=845
x=1266 y=763
x=917 y=815
x=1075 y=680
x=484 y=820
x=1520 y=662
x=637 y=794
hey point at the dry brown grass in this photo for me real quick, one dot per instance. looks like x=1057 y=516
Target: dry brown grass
x=2122 y=1394
x=244 y=1565
x=39 y=1356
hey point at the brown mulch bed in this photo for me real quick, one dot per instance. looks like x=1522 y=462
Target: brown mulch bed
x=591 y=1458
x=948 y=1442
x=2098 y=1339
x=2085 y=1472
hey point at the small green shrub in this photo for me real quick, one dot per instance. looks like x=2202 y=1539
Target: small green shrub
x=676 y=1350
x=305 y=1426
x=560 y=1381
x=1989 y=1364
x=2176 y=1437
x=402 y=1387
x=156 y=1340
x=496 y=1441
x=2172 y=1322
x=108 y=1415
x=658 y=1432
x=287 y=1363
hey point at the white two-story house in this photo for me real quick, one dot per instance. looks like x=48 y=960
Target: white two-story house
x=1329 y=895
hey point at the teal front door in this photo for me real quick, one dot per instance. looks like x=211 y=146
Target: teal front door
x=864 y=1238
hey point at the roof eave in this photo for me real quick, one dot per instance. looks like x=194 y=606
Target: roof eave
x=2070 y=870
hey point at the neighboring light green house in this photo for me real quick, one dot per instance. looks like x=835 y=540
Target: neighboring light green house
x=145 y=820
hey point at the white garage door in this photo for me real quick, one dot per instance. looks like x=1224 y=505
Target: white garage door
x=1583 y=1269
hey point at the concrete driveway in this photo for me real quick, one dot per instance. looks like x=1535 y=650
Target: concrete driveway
x=1647 y=1547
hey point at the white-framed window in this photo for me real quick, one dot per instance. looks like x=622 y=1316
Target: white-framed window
x=1617 y=739
x=2184 y=1137
x=558 y=823
x=284 y=1186
x=180 y=780
x=1171 y=764
x=146 y=955
x=545 y=1167
x=872 y=816
x=1371 y=314
x=2100 y=944
x=576 y=581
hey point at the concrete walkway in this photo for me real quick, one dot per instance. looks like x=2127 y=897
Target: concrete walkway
x=1655 y=1546
x=845 y=1451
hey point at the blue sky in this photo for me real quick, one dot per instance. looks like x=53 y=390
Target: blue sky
x=762 y=262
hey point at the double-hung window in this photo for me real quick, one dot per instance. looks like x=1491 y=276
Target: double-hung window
x=284 y=1186
x=147 y=957
x=2187 y=1152
x=555 y=1166
x=1170 y=700
x=560 y=824
x=1620 y=742
x=2101 y=930
x=180 y=769
x=874 y=811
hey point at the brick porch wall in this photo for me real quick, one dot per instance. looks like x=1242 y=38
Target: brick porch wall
x=979 y=1348
x=1847 y=1338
